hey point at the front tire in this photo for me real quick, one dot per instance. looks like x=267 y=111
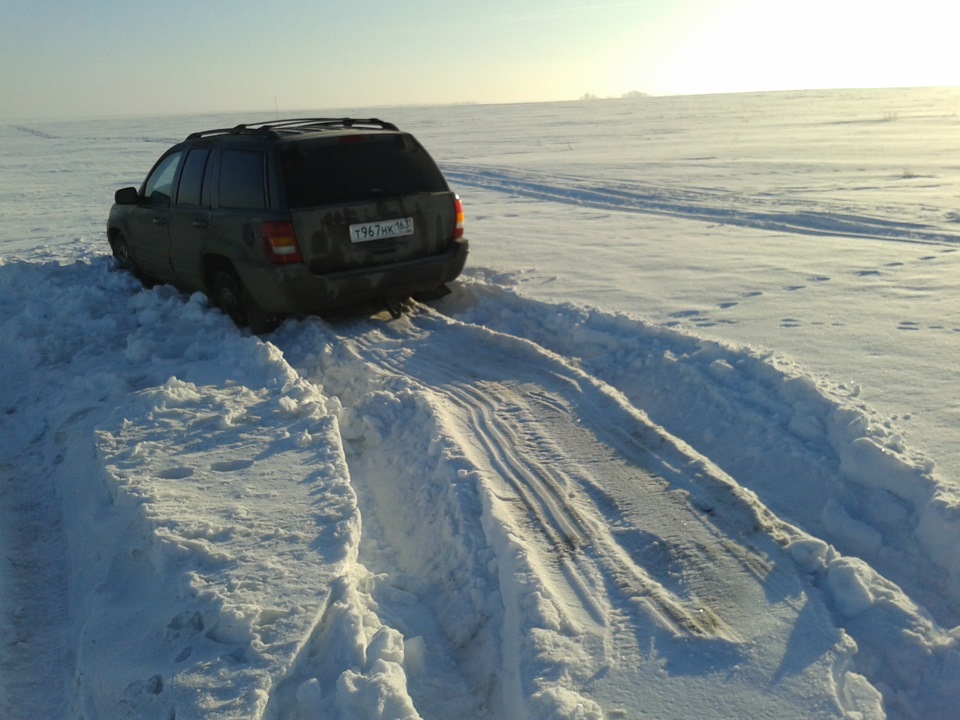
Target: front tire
x=123 y=255
x=229 y=295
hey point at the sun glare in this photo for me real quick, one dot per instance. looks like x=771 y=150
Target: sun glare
x=756 y=45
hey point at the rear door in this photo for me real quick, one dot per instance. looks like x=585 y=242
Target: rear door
x=360 y=200
x=189 y=218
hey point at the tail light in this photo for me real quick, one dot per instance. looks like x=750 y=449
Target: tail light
x=458 y=212
x=280 y=242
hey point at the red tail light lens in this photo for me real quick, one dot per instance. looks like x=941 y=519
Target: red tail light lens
x=458 y=212
x=280 y=242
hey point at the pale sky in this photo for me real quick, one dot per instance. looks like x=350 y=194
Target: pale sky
x=82 y=58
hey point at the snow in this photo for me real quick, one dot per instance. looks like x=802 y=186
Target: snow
x=681 y=443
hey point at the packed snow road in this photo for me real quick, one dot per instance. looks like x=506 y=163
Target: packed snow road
x=603 y=533
x=626 y=534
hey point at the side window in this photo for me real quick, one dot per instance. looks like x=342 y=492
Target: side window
x=242 y=180
x=159 y=185
x=191 y=179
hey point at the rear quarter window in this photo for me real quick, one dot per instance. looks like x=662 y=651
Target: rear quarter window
x=242 y=180
x=356 y=168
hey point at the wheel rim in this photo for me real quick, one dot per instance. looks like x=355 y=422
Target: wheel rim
x=229 y=303
x=122 y=254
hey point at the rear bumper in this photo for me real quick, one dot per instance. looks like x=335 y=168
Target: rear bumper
x=293 y=289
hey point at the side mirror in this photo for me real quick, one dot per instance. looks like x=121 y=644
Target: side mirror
x=126 y=196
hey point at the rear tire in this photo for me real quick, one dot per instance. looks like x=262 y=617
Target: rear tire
x=229 y=295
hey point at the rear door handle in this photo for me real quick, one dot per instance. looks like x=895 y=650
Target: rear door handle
x=159 y=220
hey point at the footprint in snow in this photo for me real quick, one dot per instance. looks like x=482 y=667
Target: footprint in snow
x=912 y=325
x=150 y=686
x=177 y=473
x=231 y=465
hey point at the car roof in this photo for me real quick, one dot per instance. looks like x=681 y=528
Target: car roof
x=298 y=127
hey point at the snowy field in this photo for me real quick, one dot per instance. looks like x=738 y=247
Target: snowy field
x=682 y=442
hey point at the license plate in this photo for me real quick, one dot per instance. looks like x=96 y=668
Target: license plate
x=365 y=232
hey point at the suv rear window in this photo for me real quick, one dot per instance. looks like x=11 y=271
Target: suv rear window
x=356 y=168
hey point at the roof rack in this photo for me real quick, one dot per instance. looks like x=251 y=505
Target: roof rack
x=296 y=125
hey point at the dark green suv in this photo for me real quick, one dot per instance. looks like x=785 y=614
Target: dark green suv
x=293 y=217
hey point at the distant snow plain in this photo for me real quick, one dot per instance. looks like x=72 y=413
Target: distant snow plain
x=682 y=442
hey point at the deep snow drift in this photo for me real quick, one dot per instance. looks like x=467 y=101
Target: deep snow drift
x=643 y=462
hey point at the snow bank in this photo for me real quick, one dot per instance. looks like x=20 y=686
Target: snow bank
x=212 y=529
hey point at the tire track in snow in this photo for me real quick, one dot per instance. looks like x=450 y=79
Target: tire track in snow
x=709 y=205
x=574 y=539
x=625 y=539
x=751 y=422
x=513 y=413
x=638 y=546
